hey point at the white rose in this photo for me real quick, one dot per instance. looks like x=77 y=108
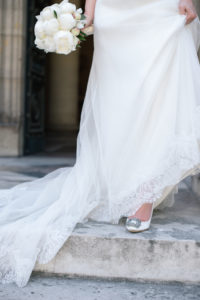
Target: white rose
x=56 y=7
x=80 y=25
x=39 y=43
x=67 y=8
x=47 y=13
x=49 y=44
x=39 y=30
x=51 y=26
x=39 y=18
x=75 y=31
x=67 y=22
x=79 y=10
x=64 y=42
x=76 y=42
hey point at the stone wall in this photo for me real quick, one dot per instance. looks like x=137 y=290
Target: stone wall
x=12 y=54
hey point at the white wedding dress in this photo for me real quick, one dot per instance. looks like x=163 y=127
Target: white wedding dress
x=139 y=134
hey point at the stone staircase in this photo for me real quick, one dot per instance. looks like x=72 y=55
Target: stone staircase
x=168 y=251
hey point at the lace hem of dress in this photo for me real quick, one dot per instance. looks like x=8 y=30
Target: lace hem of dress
x=14 y=269
x=183 y=154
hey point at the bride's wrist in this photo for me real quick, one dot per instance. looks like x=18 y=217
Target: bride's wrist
x=89 y=11
x=89 y=18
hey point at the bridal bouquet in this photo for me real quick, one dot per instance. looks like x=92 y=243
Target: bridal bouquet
x=60 y=28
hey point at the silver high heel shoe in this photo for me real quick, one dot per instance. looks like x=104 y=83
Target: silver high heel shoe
x=136 y=225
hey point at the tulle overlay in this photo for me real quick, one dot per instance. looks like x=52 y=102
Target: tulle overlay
x=139 y=134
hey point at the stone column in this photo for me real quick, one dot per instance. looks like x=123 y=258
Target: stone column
x=12 y=59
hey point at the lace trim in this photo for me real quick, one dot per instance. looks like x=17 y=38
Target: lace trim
x=183 y=155
x=14 y=268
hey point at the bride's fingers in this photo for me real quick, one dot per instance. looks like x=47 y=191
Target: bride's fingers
x=191 y=15
x=189 y=11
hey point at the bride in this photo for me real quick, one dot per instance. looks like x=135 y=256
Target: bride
x=139 y=133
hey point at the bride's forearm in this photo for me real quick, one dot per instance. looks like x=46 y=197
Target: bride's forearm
x=89 y=10
x=90 y=6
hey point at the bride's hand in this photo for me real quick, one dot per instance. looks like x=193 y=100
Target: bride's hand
x=89 y=12
x=186 y=7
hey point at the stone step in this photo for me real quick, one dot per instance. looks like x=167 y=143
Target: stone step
x=168 y=251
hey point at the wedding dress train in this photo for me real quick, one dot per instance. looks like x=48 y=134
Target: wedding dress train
x=139 y=134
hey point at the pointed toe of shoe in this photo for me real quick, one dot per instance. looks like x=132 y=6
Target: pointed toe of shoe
x=136 y=225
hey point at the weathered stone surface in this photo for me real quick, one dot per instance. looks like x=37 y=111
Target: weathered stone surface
x=53 y=288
